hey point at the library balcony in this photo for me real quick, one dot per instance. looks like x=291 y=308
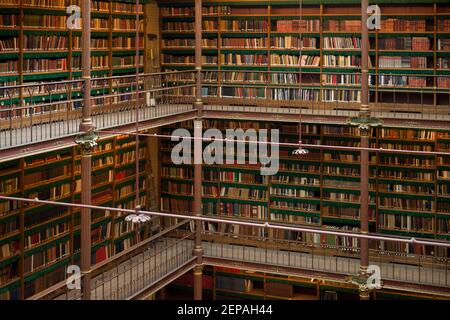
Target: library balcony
x=39 y=112
x=142 y=269
x=395 y=97
x=326 y=261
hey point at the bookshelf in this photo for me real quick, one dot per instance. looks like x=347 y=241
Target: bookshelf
x=232 y=283
x=38 y=241
x=408 y=194
x=258 y=44
x=38 y=47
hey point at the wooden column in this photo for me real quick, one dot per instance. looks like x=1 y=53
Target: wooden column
x=86 y=126
x=198 y=133
x=364 y=131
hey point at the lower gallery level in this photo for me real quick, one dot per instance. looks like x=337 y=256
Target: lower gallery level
x=321 y=189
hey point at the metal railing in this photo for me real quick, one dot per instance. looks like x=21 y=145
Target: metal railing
x=337 y=259
x=403 y=96
x=160 y=258
x=37 y=112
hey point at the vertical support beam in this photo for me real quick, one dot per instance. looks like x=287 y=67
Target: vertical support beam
x=198 y=156
x=86 y=126
x=86 y=223
x=364 y=131
x=198 y=250
x=364 y=110
x=86 y=122
x=198 y=57
x=136 y=182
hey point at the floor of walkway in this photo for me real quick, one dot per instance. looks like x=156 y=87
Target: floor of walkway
x=58 y=129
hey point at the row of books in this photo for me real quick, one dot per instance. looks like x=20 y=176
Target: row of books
x=45 y=234
x=443 y=82
x=412 y=81
x=244 y=42
x=294 y=42
x=403 y=25
x=342 y=25
x=44 y=65
x=8 y=273
x=406 y=188
x=342 y=61
x=126 y=24
x=245 y=177
x=45 y=3
x=9 y=185
x=341 y=43
x=243 y=193
x=168 y=58
x=408 y=134
x=175 y=172
x=306 y=25
x=177 y=188
x=341 y=95
x=8 y=206
x=406 y=204
x=293 y=205
x=250 y=25
x=344 y=243
x=189 y=11
x=52 y=193
x=176 y=205
x=406 y=223
x=240 y=59
x=244 y=210
x=292 y=218
x=410 y=161
x=102 y=177
x=9 y=66
x=207 y=25
x=295 y=193
x=404 y=43
x=124 y=42
x=46 y=256
x=118 y=7
x=443 y=25
x=8 y=20
x=46 y=174
x=341 y=196
x=9 y=44
x=443 y=226
x=443 y=44
x=189 y=43
x=9 y=249
x=129 y=156
x=294 y=60
x=128 y=189
x=344 y=79
x=47 y=21
x=443 y=63
x=295 y=180
x=403 y=62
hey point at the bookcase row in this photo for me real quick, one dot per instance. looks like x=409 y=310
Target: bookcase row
x=30 y=55
x=37 y=240
x=408 y=193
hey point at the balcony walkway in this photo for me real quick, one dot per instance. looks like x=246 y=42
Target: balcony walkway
x=55 y=127
x=163 y=258
x=167 y=256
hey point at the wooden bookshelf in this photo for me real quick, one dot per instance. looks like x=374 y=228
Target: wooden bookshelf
x=231 y=283
x=408 y=53
x=408 y=195
x=55 y=54
x=38 y=241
